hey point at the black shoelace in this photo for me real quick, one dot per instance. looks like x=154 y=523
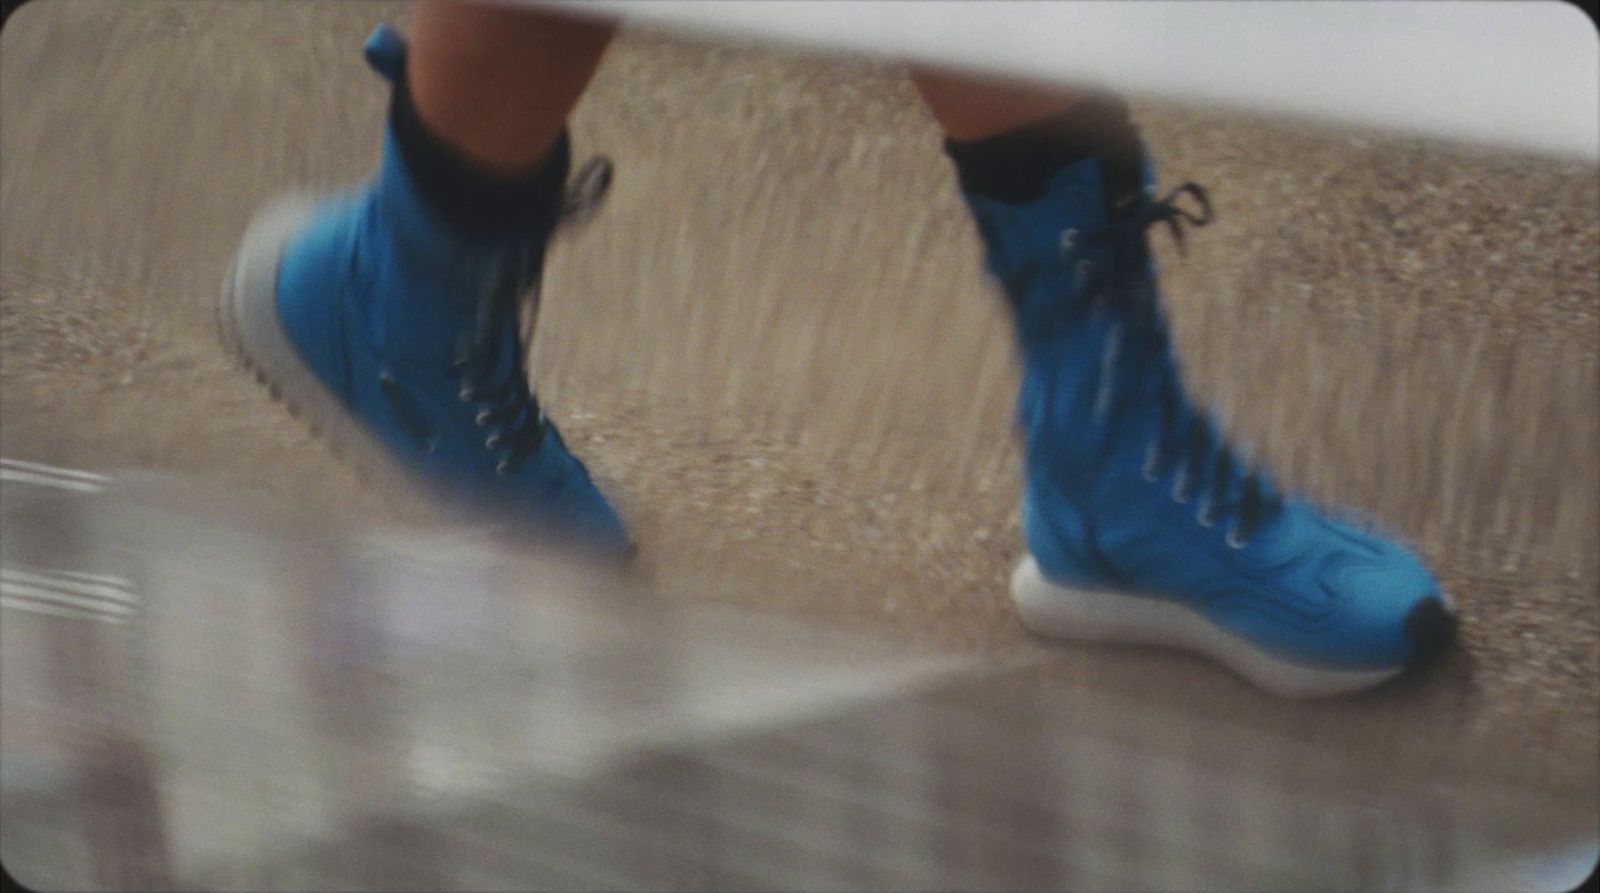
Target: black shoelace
x=496 y=383
x=1189 y=442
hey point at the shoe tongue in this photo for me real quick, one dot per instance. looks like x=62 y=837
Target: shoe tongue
x=1106 y=188
x=431 y=312
x=1123 y=177
x=507 y=357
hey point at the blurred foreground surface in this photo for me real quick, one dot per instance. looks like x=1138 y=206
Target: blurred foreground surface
x=204 y=693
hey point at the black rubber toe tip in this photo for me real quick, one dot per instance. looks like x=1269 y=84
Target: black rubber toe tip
x=1431 y=629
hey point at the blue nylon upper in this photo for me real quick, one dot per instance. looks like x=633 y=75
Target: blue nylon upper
x=415 y=329
x=1131 y=487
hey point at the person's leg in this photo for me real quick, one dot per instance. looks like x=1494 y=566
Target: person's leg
x=974 y=108
x=390 y=316
x=1007 y=137
x=497 y=82
x=1131 y=490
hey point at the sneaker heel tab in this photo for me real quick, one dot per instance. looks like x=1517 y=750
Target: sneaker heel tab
x=385 y=50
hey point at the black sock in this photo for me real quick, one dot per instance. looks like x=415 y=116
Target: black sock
x=1016 y=166
x=472 y=201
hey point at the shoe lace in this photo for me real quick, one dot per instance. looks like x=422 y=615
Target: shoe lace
x=494 y=368
x=1188 y=441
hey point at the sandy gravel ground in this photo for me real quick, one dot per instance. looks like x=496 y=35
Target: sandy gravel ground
x=775 y=345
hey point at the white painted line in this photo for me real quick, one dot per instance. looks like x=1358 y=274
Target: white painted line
x=122 y=582
x=115 y=590
x=22 y=472
x=23 y=477
x=51 y=610
x=56 y=597
x=40 y=468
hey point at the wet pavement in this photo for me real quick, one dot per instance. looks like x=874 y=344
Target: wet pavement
x=199 y=694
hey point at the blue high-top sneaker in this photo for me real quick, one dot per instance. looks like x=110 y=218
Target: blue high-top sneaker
x=1142 y=524
x=399 y=339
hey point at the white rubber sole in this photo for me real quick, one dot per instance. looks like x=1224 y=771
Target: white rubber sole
x=1062 y=612
x=248 y=320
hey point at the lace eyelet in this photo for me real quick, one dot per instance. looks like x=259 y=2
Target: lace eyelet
x=491 y=441
x=1205 y=517
x=483 y=416
x=1180 y=484
x=1080 y=275
x=1148 y=471
x=1233 y=540
x=466 y=394
x=1069 y=239
x=502 y=468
